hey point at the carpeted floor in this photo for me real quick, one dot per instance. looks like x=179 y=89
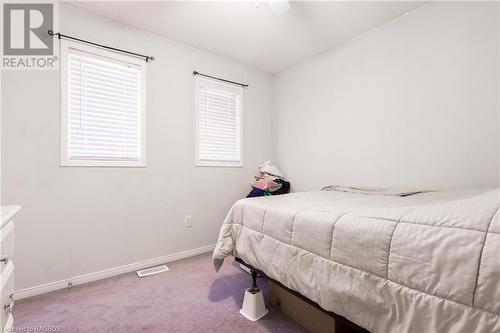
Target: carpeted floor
x=190 y=297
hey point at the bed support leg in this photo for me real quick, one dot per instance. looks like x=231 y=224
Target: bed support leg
x=253 y=303
x=254 y=288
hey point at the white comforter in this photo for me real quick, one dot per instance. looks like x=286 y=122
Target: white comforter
x=424 y=263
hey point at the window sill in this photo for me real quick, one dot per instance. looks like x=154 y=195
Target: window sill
x=104 y=164
x=219 y=164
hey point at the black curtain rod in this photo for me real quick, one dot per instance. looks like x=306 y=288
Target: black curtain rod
x=217 y=78
x=59 y=35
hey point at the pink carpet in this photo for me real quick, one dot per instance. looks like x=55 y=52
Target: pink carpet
x=190 y=297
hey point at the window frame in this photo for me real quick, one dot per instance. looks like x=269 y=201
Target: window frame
x=65 y=161
x=234 y=88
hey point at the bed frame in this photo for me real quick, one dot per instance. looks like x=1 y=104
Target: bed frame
x=342 y=325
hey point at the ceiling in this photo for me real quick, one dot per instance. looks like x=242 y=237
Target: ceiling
x=252 y=32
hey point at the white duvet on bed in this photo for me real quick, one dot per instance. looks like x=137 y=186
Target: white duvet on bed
x=424 y=263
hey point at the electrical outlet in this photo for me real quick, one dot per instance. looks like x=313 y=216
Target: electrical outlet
x=187 y=221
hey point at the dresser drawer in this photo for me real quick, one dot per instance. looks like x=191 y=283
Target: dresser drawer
x=6 y=244
x=6 y=293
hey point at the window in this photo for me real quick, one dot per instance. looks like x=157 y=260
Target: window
x=102 y=107
x=219 y=120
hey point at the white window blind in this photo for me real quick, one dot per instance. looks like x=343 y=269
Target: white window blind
x=219 y=123
x=104 y=110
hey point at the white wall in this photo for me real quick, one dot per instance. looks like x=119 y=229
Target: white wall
x=414 y=102
x=81 y=220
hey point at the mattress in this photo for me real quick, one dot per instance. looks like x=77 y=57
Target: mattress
x=428 y=262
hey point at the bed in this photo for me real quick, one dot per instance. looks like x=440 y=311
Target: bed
x=427 y=262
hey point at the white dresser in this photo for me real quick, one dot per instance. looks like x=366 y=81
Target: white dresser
x=7 y=267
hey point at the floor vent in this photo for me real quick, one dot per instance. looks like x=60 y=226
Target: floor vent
x=152 y=270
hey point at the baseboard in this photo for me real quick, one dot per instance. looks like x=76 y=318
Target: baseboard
x=77 y=280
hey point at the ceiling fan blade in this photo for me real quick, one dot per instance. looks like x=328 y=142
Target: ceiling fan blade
x=279 y=7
